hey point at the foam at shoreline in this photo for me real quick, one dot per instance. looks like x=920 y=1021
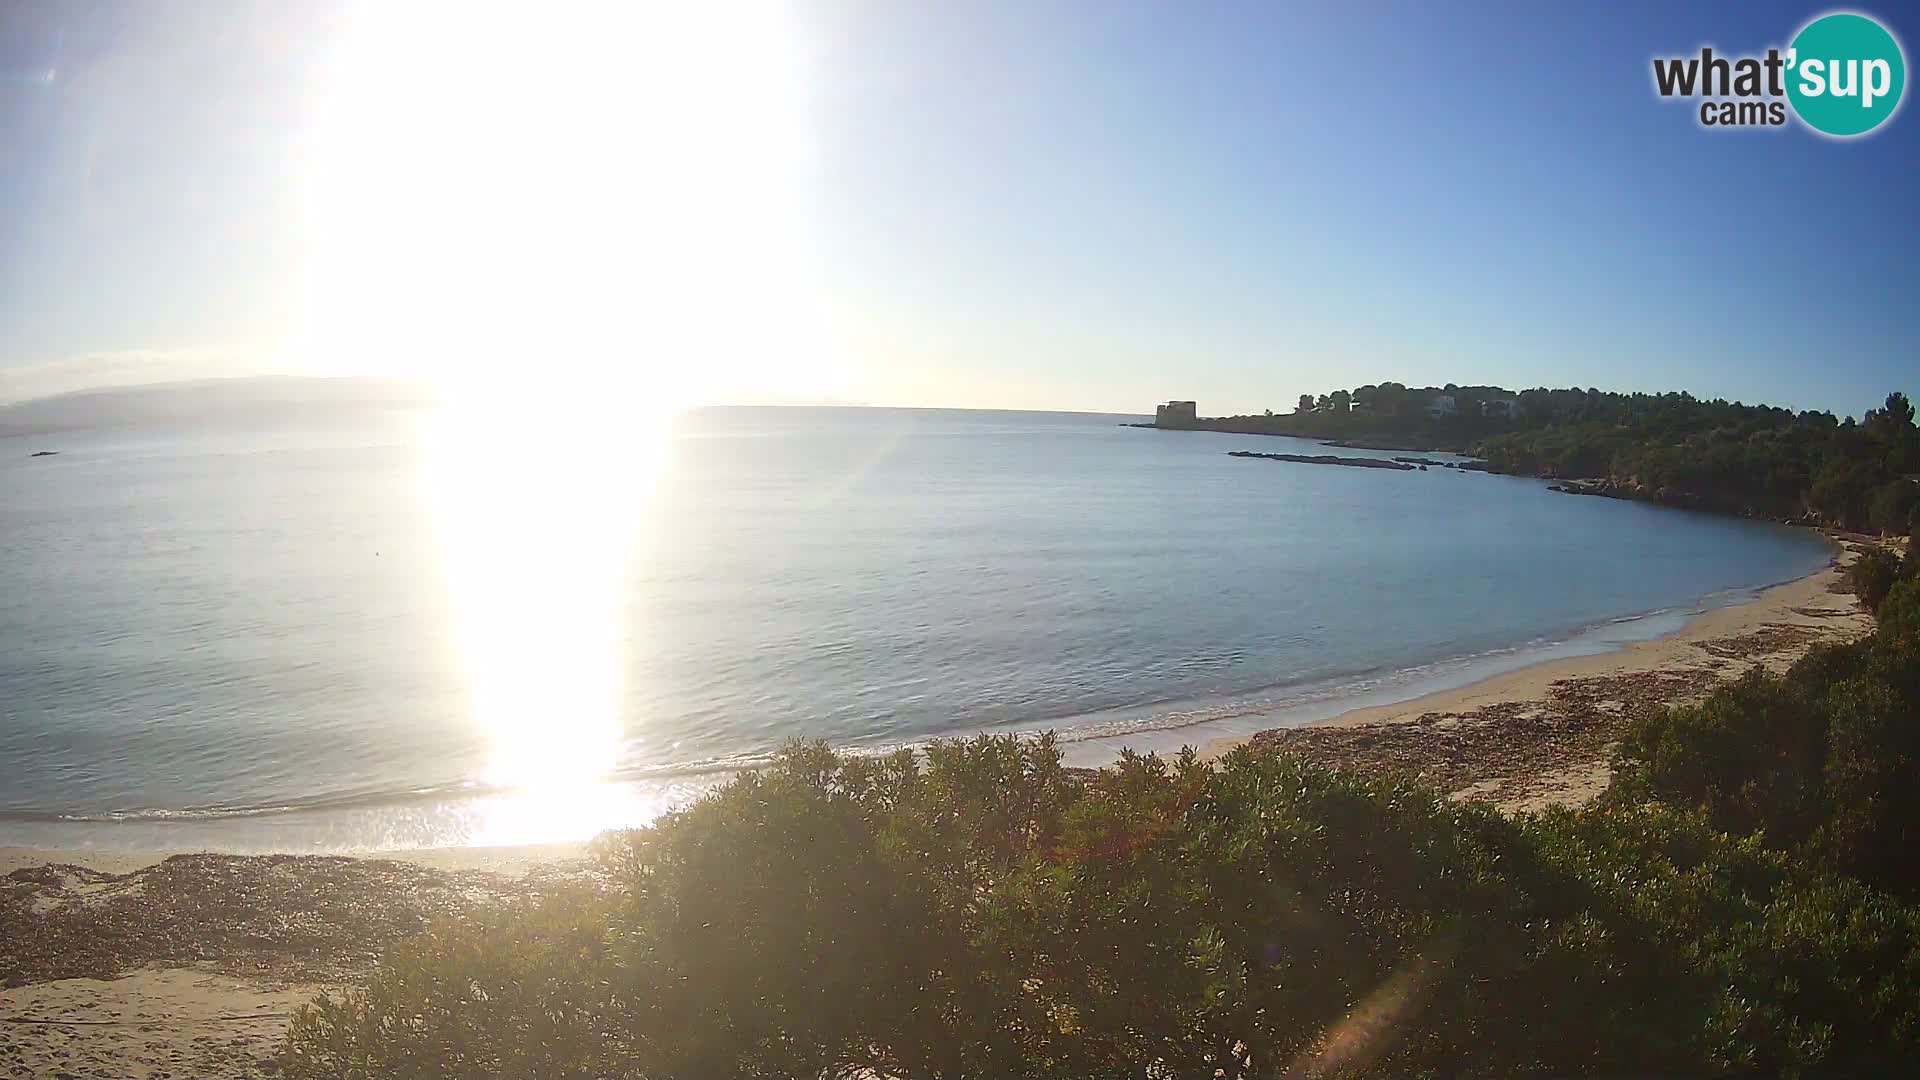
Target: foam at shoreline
x=468 y=816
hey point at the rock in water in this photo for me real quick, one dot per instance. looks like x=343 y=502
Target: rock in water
x=1325 y=459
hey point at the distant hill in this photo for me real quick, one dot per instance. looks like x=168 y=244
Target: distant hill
x=268 y=398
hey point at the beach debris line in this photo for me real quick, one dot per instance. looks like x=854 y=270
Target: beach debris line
x=306 y=918
x=1517 y=749
x=143 y=1021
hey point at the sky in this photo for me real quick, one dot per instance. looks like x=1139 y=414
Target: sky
x=1058 y=205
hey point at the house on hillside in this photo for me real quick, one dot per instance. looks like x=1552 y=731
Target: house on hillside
x=1503 y=408
x=1441 y=405
x=1176 y=414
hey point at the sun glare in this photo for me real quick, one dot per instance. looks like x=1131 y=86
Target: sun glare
x=572 y=222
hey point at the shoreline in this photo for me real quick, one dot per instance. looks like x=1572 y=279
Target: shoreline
x=148 y=964
x=1603 y=486
x=1541 y=735
x=1262 y=725
x=511 y=860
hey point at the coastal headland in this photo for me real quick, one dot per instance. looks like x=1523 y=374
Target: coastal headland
x=1673 y=449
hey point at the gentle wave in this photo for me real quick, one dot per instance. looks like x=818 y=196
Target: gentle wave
x=461 y=791
x=239 y=637
x=1067 y=730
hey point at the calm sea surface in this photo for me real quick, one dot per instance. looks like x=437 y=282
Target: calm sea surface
x=318 y=632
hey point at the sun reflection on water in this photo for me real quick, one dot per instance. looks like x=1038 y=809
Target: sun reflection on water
x=556 y=812
x=571 y=228
x=536 y=539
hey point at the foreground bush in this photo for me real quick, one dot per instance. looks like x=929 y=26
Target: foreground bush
x=520 y=993
x=1872 y=575
x=982 y=912
x=1823 y=761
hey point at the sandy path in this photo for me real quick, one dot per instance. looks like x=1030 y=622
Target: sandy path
x=159 y=1023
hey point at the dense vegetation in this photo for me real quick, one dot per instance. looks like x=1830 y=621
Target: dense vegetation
x=1744 y=899
x=1750 y=459
x=1824 y=761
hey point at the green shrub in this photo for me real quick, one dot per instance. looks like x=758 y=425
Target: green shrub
x=1872 y=575
x=522 y=991
x=1750 y=757
x=982 y=912
x=1823 y=761
x=1900 y=618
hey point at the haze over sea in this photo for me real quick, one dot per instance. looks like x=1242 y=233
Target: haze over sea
x=235 y=627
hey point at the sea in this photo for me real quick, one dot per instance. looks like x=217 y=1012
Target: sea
x=355 y=623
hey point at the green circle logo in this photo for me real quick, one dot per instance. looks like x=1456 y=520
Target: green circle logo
x=1845 y=74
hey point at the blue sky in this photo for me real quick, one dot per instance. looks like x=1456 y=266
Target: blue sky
x=1090 y=205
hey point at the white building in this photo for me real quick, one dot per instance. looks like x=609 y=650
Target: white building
x=1441 y=405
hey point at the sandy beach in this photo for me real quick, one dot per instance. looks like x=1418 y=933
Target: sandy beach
x=1542 y=735
x=150 y=966
x=190 y=965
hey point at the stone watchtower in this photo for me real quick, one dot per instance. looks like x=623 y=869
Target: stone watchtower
x=1176 y=414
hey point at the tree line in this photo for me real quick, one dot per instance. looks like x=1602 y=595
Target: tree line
x=1749 y=459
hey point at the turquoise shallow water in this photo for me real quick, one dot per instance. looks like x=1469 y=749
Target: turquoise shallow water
x=253 y=632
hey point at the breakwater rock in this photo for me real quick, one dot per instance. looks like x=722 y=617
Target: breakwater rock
x=1463 y=466
x=1327 y=459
